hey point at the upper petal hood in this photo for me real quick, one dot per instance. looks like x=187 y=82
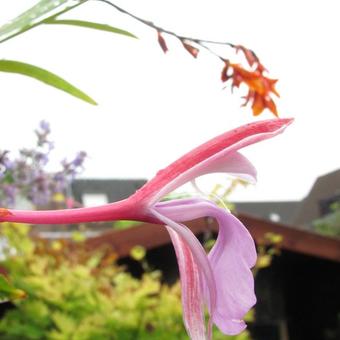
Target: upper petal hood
x=211 y=156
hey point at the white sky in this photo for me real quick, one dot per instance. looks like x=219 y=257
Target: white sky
x=154 y=107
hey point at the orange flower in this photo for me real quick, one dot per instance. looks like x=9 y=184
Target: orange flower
x=4 y=212
x=260 y=87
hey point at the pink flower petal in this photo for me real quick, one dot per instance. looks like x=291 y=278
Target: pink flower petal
x=193 y=306
x=234 y=164
x=192 y=258
x=230 y=259
x=210 y=156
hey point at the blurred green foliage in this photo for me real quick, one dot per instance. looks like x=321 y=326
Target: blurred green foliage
x=76 y=293
x=329 y=224
x=8 y=291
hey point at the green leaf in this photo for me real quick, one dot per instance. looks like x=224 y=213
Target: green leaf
x=9 y=292
x=64 y=323
x=45 y=76
x=34 y=16
x=89 y=24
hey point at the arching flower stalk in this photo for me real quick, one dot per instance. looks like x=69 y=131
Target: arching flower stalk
x=220 y=281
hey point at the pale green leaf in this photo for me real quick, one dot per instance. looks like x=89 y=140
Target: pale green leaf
x=35 y=16
x=89 y=24
x=45 y=76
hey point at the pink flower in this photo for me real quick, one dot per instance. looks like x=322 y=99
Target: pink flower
x=222 y=280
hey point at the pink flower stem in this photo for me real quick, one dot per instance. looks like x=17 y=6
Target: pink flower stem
x=122 y=210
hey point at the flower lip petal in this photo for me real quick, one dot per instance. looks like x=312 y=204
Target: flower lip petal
x=197 y=250
x=231 y=258
x=191 y=288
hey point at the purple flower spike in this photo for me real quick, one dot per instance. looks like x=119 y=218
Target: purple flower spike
x=221 y=281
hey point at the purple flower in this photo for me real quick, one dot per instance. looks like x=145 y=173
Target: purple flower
x=43 y=133
x=45 y=126
x=72 y=168
x=28 y=175
x=9 y=192
x=79 y=160
x=222 y=280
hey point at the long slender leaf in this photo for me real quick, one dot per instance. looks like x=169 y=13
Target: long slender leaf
x=45 y=76
x=35 y=16
x=89 y=24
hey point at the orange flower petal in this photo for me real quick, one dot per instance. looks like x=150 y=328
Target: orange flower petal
x=4 y=212
x=269 y=103
x=224 y=74
x=258 y=105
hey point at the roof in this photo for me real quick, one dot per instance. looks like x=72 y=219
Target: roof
x=152 y=236
x=324 y=188
x=280 y=211
x=113 y=189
